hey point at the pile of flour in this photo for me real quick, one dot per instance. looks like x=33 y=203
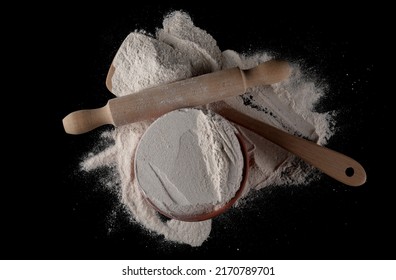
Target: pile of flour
x=189 y=163
x=178 y=51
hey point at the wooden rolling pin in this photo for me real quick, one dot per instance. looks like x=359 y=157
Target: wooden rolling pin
x=156 y=101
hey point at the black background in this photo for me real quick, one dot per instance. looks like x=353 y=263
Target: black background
x=51 y=211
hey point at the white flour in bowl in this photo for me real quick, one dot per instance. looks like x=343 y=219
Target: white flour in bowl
x=178 y=51
x=189 y=163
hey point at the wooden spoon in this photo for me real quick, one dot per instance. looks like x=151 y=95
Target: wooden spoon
x=217 y=86
x=156 y=101
x=332 y=163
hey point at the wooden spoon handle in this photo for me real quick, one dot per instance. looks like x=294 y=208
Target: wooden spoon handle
x=332 y=163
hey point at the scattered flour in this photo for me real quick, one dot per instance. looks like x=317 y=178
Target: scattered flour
x=179 y=51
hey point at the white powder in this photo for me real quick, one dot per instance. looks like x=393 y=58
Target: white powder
x=180 y=50
x=189 y=163
x=143 y=62
x=197 y=45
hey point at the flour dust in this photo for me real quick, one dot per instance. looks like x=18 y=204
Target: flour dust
x=180 y=50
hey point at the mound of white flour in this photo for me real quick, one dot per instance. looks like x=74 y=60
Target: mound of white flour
x=178 y=51
x=189 y=163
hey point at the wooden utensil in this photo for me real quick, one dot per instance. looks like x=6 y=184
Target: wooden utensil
x=156 y=101
x=332 y=163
